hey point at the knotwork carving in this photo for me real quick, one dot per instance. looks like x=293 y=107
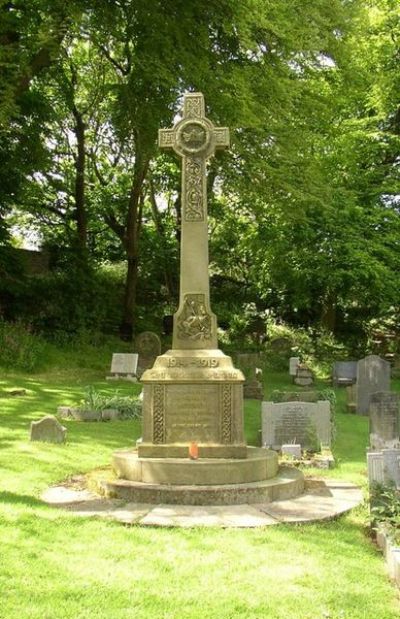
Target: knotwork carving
x=193 y=107
x=194 y=209
x=158 y=414
x=194 y=322
x=226 y=416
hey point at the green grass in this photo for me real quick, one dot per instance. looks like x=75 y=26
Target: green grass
x=54 y=565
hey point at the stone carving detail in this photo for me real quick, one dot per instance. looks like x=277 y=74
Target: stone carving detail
x=166 y=138
x=226 y=417
x=194 y=322
x=158 y=414
x=193 y=107
x=194 y=209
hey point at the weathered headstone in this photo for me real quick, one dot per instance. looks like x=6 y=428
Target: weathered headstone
x=292 y=449
x=384 y=420
x=391 y=465
x=304 y=376
x=294 y=363
x=376 y=473
x=351 y=395
x=193 y=393
x=64 y=412
x=296 y=422
x=123 y=366
x=148 y=347
x=295 y=396
x=253 y=387
x=48 y=429
x=384 y=467
x=344 y=373
x=373 y=374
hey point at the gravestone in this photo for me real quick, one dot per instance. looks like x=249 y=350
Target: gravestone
x=48 y=429
x=296 y=422
x=344 y=373
x=193 y=393
x=295 y=396
x=148 y=347
x=253 y=387
x=304 y=376
x=376 y=472
x=391 y=466
x=294 y=363
x=123 y=367
x=384 y=420
x=292 y=450
x=373 y=374
x=351 y=395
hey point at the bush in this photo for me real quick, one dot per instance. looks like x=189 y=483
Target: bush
x=130 y=407
x=385 y=508
x=20 y=349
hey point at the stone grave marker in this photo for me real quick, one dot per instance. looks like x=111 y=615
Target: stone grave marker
x=148 y=347
x=48 y=429
x=384 y=467
x=351 y=395
x=292 y=450
x=304 y=376
x=252 y=388
x=391 y=465
x=295 y=396
x=376 y=473
x=296 y=422
x=123 y=366
x=373 y=374
x=384 y=420
x=294 y=363
x=344 y=373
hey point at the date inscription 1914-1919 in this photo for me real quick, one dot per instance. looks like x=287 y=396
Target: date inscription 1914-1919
x=175 y=362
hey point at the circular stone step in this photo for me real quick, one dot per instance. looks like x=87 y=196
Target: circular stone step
x=259 y=465
x=287 y=484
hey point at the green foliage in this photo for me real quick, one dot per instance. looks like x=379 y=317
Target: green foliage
x=20 y=349
x=385 y=508
x=130 y=407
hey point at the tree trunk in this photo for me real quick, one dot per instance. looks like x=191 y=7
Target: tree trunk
x=80 y=206
x=131 y=244
x=161 y=234
x=328 y=316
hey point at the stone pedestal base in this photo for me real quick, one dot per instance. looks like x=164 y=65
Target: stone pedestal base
x=257 y=465
x=287 y=484
x=193 y=396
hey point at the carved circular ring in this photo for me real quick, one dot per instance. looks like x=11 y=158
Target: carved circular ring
x=193 y=137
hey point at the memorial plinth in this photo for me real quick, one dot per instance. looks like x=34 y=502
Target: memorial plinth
x=193 y=394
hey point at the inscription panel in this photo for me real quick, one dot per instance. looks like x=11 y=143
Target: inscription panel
x=299 y=422
x=192 y=414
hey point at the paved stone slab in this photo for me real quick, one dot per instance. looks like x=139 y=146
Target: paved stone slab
x=194 y=516
x=319 y=504
x=323 y=499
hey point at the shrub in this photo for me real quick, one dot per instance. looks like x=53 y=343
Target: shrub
x=20 y=349
x=130 y=407
x=385 y=508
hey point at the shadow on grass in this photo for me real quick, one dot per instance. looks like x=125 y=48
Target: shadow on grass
x=21 y=499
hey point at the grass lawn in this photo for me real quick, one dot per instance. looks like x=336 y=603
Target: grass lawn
x=55 y=565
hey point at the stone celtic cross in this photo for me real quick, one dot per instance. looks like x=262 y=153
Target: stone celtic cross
x=195 y=139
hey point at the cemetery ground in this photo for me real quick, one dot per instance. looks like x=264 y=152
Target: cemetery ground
x=56 y=565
